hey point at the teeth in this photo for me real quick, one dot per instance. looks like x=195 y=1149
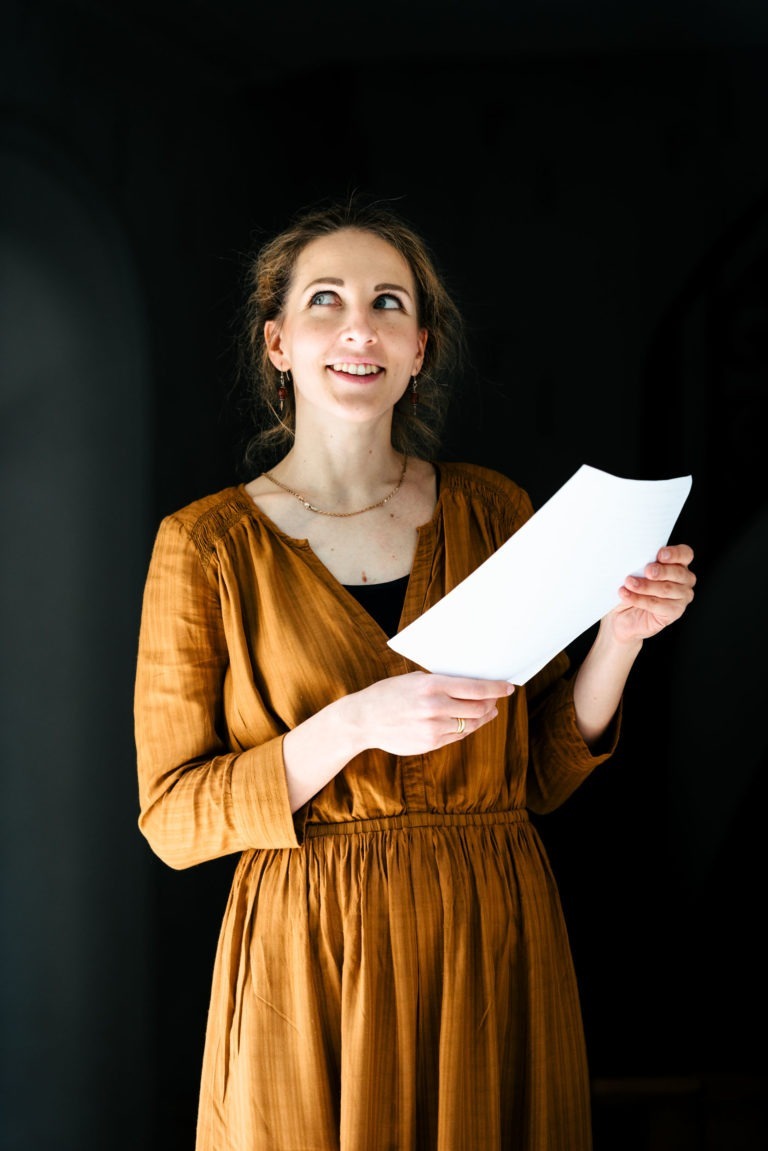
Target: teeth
x=356 y=369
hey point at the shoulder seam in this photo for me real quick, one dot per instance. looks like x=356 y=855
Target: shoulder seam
x=207 y=520
x=497 y=486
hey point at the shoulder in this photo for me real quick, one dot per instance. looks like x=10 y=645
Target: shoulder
x=477 y=483
x=206 y=521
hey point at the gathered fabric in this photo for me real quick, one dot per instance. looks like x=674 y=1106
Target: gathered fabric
x=393 y=970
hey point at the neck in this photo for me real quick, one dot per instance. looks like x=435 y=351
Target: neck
x=350 y=464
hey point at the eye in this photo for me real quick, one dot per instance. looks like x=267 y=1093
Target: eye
x=387 y=302
x=323 y=298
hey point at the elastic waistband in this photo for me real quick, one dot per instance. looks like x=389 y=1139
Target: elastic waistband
x=414 y=820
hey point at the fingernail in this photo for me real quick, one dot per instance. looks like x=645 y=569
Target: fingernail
x=664 y=554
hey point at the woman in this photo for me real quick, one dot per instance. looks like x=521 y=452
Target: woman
x=393 y=971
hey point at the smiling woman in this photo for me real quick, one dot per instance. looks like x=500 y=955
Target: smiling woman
x=393 y=969
x=415 y=428
x=349 y=334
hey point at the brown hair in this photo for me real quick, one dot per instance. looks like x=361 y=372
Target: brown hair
x=416 y=428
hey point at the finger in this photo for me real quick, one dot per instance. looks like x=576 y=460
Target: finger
x=657 y=598
x=675 y=554
x=666 y=608
x=667 y=581
x=462 y=726
x=670 y=573
x=660 y=588
x=462 y=687
x=471 y=711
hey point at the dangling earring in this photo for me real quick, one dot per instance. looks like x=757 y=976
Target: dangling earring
x=414 y=390
x=282 y=392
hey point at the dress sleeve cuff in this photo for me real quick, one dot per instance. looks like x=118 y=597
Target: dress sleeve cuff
x=260 y=798
x=583 y=756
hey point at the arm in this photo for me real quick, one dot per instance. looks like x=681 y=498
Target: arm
x=648 y=604
x=573 y=724
x=199 y=798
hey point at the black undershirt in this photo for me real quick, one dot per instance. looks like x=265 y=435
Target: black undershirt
x=383 y=601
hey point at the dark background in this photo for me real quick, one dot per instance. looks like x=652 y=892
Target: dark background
x=594 y=180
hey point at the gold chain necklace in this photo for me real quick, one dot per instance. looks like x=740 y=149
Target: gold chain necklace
x=339 y=515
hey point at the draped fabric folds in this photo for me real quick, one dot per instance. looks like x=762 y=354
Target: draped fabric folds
x=393 y=971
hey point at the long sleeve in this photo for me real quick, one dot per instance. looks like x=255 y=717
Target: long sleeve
x=198 y=799
x=559 y=760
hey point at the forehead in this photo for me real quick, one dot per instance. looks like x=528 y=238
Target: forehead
x=352 y=254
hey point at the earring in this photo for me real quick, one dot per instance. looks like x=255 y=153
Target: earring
x=414 y=390
x=282 y=392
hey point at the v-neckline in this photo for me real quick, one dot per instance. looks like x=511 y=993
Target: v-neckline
x=424 y=546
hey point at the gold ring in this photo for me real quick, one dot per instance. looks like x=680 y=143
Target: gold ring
x=459 y=725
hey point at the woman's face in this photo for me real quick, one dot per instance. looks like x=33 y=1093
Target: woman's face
x=349 y=333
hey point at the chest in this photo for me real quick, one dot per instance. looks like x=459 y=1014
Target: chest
x=373 y=549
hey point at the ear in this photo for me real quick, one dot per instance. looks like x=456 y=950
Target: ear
x=272 y=338
x=422 y=338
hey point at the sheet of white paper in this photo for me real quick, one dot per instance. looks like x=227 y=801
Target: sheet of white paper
x=554 y=578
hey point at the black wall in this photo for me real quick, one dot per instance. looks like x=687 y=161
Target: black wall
x=595 y=184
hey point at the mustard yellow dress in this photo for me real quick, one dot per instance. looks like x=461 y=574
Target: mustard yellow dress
x=393 y=971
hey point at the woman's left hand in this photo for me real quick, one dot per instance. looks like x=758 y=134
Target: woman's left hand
x=657 y=598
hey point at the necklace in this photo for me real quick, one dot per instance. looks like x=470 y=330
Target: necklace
x=339 y=515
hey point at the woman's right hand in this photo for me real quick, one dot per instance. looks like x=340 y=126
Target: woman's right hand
x=404 y=715
x=420 y=711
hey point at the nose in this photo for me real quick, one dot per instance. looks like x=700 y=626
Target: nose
x=359 y=328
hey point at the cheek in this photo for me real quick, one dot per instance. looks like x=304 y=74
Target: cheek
x=306 y=340
x=320 y=331
x=407 y=339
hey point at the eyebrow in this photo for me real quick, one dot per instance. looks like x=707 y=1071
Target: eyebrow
x=377 y=287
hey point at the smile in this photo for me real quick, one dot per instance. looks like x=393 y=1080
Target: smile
x=357 y=369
